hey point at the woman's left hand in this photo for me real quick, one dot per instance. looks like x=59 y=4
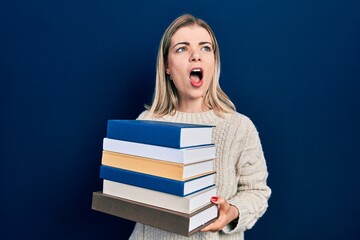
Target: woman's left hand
x=227 y=213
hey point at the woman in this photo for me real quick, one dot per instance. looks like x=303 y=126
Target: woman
x=187 y=90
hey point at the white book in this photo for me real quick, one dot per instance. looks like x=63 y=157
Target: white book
x=187 y=204
x=182 y=155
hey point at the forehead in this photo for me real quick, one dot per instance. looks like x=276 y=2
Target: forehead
x=191 y=34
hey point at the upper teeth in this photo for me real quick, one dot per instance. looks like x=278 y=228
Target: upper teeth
x=196 y=70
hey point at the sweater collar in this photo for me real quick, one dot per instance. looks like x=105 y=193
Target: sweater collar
x=208 y=117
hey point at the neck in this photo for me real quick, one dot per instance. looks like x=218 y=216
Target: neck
x=192 y=106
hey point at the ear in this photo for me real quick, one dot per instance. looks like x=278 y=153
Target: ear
x=167 y=70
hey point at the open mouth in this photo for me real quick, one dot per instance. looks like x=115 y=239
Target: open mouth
x=196 y=76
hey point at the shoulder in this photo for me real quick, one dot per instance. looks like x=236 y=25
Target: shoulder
x=144 y=115
x=240 y=121
x=248 y=132
x=236 y=128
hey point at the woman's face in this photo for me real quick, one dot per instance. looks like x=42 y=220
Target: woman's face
x=191 y=65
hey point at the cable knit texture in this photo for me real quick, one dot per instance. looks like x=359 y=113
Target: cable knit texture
x=241 y=173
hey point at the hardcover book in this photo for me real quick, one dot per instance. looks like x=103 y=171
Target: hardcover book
x=177 y=155
x=166 y=185
x=187 y=204
x=166 y=169
x=176 y=222
x=167 y=134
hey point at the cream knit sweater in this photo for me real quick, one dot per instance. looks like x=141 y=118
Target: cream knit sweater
x=241 y=173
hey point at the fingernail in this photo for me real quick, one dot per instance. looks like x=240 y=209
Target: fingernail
x=214 y=199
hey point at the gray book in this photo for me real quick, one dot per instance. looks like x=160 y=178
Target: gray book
x=172 y=221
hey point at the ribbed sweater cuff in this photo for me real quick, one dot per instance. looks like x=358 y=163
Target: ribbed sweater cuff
x=241 y=223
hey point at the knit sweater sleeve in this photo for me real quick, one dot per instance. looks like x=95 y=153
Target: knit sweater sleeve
x=253 y=193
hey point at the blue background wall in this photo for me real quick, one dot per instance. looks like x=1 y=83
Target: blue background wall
x=67 y=66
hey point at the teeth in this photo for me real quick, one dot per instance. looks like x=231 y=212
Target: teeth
x=197 y=72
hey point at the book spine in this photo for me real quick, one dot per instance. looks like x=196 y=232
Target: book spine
x=142 y=180
x=147 y=196
x=144 y=150
x=155 y=167
x=133 y=211
x=177 y=155
x=143 y=133
x=168 y=220
x=172 y=202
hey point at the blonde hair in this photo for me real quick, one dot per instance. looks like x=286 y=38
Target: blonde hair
x=165 y=99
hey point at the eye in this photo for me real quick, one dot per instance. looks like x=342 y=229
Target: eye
x=207 y=48
x=181 y=49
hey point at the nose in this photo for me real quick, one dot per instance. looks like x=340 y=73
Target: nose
x=195 y=56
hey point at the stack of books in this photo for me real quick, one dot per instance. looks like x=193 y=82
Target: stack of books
x=158 y=173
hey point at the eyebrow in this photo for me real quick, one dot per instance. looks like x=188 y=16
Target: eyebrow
x=187 y=43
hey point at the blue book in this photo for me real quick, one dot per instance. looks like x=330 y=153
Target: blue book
x=167 y=134
x=166 y=185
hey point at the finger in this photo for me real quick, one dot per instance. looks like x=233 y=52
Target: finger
x=213 y=227
x=206 y=229
x=222 y=202
x=214 y=199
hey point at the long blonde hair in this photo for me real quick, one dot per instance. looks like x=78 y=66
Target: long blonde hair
x=165 y=99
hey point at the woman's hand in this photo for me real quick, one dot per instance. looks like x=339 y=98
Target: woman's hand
x=227 y=213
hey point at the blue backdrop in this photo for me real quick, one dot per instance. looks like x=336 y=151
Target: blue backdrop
x=66 y=67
